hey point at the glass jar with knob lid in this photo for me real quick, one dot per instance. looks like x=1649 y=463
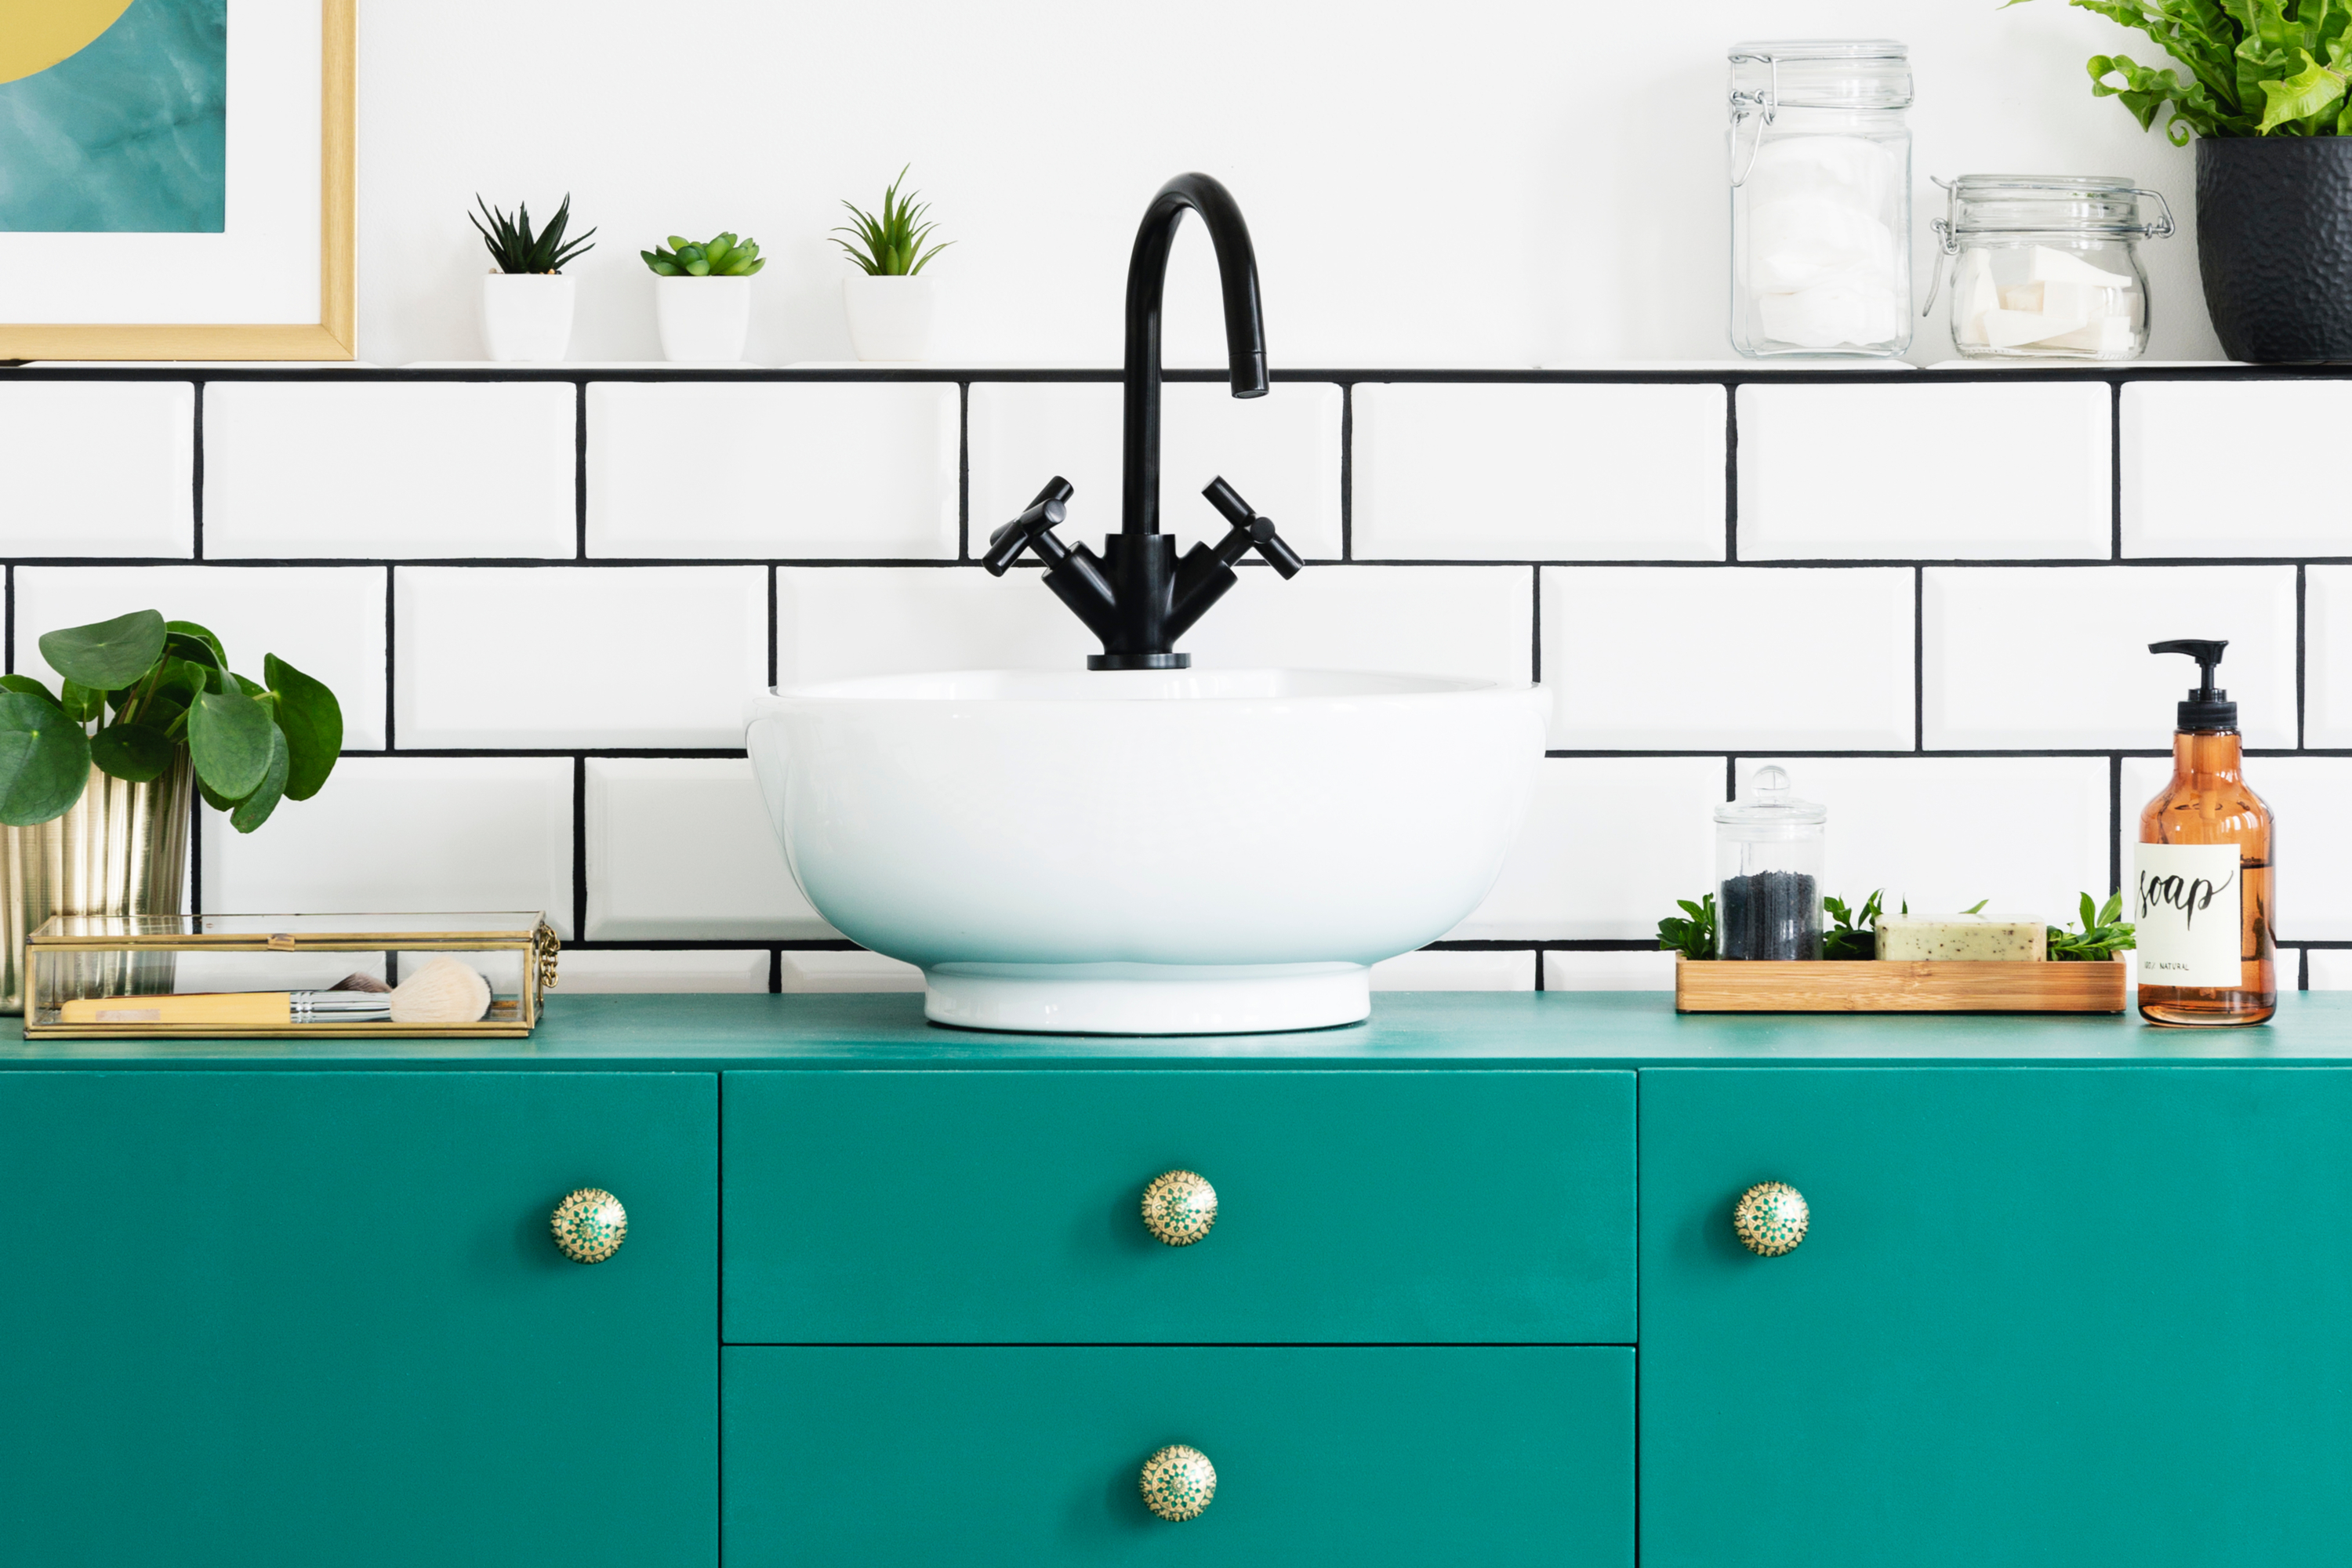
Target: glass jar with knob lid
x=1769 y=852
x=2047 y=265
x=1821 y=197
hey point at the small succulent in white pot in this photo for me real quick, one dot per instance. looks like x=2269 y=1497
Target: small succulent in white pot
x=702 y=297
x=527 y=302
x=892 y=309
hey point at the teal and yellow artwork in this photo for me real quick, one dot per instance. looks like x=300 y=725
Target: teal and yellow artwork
x=113 y=116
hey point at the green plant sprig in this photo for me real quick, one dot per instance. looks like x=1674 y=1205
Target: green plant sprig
x=2104 y=933
x=1693 y=937
x=890 y=245
x=724 y=256
x=1855 y=934
x=514 y=246
x=167 y=684
x=2256 y=68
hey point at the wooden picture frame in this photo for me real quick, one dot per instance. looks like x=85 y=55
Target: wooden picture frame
x=335 y=335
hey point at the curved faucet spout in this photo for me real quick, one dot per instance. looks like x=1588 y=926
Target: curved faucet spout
x=1147 y=281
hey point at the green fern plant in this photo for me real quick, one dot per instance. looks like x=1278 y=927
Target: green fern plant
x=2256 y=68
x=890 y=245
x=724 y=256
x=514 y=246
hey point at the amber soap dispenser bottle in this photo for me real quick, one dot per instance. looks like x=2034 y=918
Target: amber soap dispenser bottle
x=2201 y=877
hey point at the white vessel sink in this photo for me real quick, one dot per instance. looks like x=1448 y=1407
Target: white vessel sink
x=1147 y=851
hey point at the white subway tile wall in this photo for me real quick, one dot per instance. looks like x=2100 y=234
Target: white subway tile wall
x=395 y=471
x=1954 y=667
x=2183 y=496
x=685 y=470
x=2026 y=659
x=1280 y=451
x=1980 y=470
x=97 y=468
x=1538 y=473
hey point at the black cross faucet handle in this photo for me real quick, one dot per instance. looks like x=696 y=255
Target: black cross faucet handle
x=1034 y=526
x=1249 y=532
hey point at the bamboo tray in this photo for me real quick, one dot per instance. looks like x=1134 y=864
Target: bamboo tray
x=1867 y=985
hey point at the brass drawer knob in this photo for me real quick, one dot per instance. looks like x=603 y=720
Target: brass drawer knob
x=1178 y=1483
x=1180 y=1207
x=1770 y=1219
x=590 y=1225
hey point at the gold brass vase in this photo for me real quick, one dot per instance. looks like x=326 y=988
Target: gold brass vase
x=121 y=850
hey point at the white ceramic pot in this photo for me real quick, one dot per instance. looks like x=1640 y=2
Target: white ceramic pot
x=890 y=317
x=526 y=316
x=1226 y=850
x=703 y=320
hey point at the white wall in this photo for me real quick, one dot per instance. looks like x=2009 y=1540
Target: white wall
x=1480 y=183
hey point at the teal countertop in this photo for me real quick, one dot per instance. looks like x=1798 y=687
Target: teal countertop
x=1407 y=1030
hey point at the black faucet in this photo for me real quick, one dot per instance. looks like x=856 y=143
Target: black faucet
x=1137 y=596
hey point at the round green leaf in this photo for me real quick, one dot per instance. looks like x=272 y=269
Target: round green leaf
x=231 y=737
x=27 y=685
x=254 y=809
x=81 y=702
x=132 y=751
x=44 y=759
x=313 y=722
x=203 y=634
x=108 y=655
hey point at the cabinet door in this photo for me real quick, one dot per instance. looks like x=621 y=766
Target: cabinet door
x=2043 y=1315
x=1027 y=1457
x=932 y=1207
x=284 y=1317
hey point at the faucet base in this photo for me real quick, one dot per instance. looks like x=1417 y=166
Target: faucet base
x=1139 y=661
x=1146 y=998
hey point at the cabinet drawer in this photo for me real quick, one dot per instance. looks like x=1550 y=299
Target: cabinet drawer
x=1027 y=1457
x=277 y=1318
x=2041 y=1315
x=984 y=1206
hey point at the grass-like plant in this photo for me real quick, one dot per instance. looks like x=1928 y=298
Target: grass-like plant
x=725 y=256
x=139 y=689
x=2256 y=68
x=516 y=248
x=890 y=245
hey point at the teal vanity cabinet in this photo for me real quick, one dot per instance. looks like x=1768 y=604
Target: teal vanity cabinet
x=2047 y=1314
x=295 y=1318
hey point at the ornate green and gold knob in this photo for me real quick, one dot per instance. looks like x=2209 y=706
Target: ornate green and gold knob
x=590 y=1225
x=1180 y=1207
x=1178 y=1483
x=1770 y=1219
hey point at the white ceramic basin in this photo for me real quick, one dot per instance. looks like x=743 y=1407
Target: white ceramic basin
x=1147 y=851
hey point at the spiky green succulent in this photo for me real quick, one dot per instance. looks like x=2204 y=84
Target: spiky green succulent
x=724 y=256
x=516 y=248
x=890 y=245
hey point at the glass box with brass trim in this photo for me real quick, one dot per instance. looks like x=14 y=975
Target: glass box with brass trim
x=288 y=976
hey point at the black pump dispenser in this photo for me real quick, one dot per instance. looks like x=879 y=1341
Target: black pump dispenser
x=2205 y=708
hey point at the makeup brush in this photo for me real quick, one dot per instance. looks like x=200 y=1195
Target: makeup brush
x=445 y=991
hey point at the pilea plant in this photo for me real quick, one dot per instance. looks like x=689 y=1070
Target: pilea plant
x=890 y=245
x=139 y=689
x=2256 y=68
x=514 y=246
x=724 y=256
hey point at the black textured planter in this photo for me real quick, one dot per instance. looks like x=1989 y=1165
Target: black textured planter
x=2275 y=243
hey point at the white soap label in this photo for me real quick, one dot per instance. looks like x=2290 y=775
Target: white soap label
x=2185 y=912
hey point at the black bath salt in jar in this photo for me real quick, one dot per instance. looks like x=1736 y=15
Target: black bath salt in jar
x=1768 y=872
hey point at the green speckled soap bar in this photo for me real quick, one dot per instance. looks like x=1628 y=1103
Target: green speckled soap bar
x=1949 y=937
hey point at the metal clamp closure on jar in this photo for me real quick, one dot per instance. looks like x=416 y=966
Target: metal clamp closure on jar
x=1822 y=75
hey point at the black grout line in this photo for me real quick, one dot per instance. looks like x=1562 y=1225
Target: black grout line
x=1730 y=476
x=2116 y=469
x=197 y=478
x=1730 y=778
x=391 y=663
x=2302 y=624
x=1919 y=659
x=934 y=564
x=1348 y=470
x=775 y=971
x=1535 y=623
x=772 y=628
x=8 y=652
x=580 y=472
x=579 y=849
x=964 y=471
x=2303 y=970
